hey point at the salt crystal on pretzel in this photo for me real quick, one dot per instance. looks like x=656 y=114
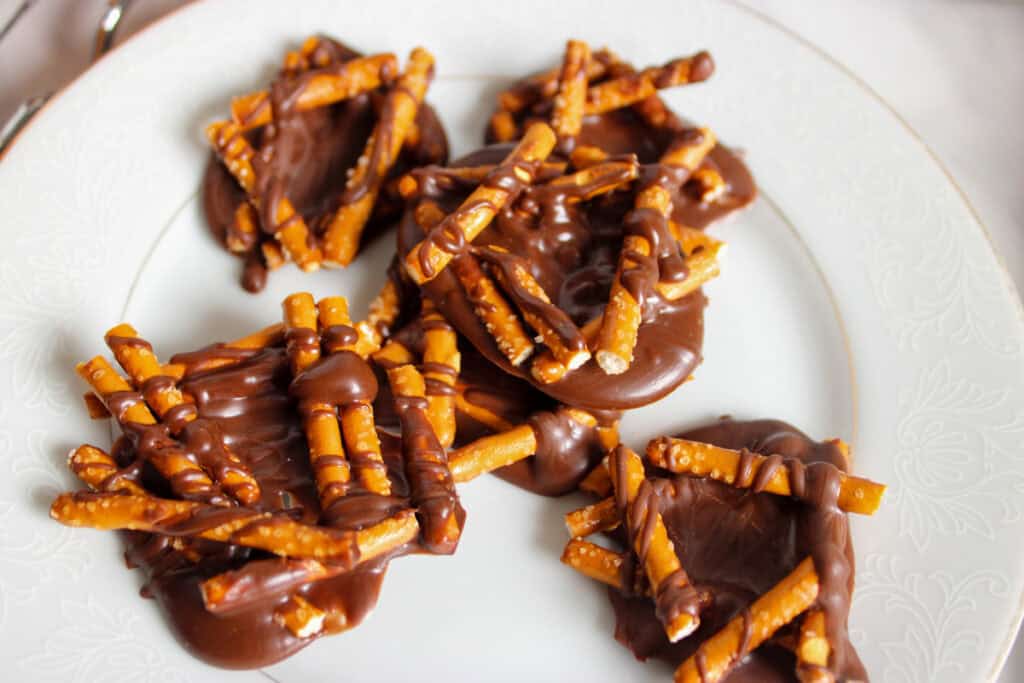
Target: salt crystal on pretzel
x=677 y=602
x=626 y=90
x=170 y=459
x=744 y=469
x=450 y=236
x=594 y=561
x=557 y=330
x=567 y=115
x=275 y=533
x=441 y=365
x=720 y=653
x=319 y=88
x=624 y=314
x=426 y=465
x=341 y=239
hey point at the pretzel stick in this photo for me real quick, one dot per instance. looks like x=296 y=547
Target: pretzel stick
x=676 y=601
x=597 y=481
x=479 y=413
x=595 y=562
x=448 y=238
x=689 y=149
x=597 y=179
x=321 y=88
x=94 y=406
x=567 y=115
x=441 y=365
x=717 y=655
x=504 y=127
x=267 y=337
x=702 y=266
x=186 y=477
x=623 y=315
x=813 y=649
x=712 y=184
x=632 y=88
x=585 y=156
x=357 y=422
x=135 y=355
x=426 y=465
x=276 y=533
x=493 y=310
x=488 y=303
x=544 y=85
x=273 y=255
x=557 y=330
x=301 y=617
x=491 y=452
x=547 y=369
x=600 y=516
x=323 y=433
x=392 y=354
x=300 y=60
x=383 y=312
x=341 y=240
x=236 y=589
x=99 y=471
x=289 y=228
x=744 y=469
x=448 y=177
x=242 y=232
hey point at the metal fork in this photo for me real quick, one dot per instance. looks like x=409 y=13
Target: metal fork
x=103 y=41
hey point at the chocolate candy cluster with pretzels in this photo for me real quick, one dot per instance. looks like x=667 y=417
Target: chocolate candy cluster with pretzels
x=301 y=170
x=540 y=286
x=573 y=256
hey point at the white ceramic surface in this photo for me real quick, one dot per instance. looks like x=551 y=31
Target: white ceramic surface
x=860 y=299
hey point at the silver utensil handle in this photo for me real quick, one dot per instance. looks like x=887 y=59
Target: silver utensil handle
x=103 y=41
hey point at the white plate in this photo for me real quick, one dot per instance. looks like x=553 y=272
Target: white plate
x=861 y=299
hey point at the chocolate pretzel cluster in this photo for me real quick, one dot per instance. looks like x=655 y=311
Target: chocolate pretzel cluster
x=540 y=286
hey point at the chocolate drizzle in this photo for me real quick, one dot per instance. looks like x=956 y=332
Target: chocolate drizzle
x=735 y=544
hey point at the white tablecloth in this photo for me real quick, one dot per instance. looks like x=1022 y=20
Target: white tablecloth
x=953 y=69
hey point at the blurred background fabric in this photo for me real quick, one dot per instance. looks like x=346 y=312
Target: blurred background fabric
x=953 y=70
